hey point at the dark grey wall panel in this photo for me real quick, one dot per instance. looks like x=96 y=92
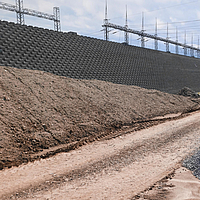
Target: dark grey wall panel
x=75 y=56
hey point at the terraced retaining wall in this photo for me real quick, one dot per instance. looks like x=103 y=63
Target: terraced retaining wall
x=75 y=56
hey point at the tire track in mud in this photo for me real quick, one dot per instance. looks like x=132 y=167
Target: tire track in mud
x=116 y=132
x=116 y=162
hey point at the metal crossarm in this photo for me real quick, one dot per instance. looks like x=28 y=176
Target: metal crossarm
x=6 y=6
x=38 y=14
x=25 y=11
x=143 y=34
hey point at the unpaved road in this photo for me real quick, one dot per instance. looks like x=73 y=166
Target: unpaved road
x=111 y=169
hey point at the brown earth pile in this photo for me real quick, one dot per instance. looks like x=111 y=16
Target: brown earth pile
x=39 y=110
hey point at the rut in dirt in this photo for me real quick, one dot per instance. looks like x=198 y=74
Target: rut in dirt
x=136 y=151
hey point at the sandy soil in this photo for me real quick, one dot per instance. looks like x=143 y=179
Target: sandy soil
x=180 y=185
x=186 y=186
x=118 y=168
x=40 y=111
x=42 y=115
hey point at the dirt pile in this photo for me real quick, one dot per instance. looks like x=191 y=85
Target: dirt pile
x=39 y=110
x=189 y=92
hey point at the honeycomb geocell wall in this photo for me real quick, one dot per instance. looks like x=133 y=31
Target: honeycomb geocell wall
x=71 y=55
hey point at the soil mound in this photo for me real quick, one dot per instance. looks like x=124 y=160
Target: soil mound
x=39 y=110
x=188 y=92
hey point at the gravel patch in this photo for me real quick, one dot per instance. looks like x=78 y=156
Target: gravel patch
x=193 y=164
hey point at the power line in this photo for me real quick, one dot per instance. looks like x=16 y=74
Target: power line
x=196 y=20
x=173 y=6
x=159 y=9
x=180 y=22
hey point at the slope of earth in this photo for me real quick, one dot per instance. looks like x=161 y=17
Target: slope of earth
x=40 y=111
x=115 y=169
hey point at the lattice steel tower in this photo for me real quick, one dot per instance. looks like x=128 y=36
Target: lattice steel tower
x=156 y=34
x=167 y=43
x=176 y=40
x=56 y=12
x=185 y=48
x=19 y=11
x=126 y=35
x=106 y=31
x=198 y=51
x=192 y=50
x=142 y=31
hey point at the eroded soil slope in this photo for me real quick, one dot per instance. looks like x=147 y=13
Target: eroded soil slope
x=39 y=110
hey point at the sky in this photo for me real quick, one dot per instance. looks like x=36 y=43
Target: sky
x=87 y=16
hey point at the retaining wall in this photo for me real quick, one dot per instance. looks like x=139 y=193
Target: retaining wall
x=75 y=56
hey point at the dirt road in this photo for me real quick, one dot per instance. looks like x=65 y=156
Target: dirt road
x=118 y=168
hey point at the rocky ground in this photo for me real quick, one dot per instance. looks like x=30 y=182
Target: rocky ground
x=193 y=163
x=39 y=111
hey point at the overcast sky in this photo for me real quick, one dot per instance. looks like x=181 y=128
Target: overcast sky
x=86 y=17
